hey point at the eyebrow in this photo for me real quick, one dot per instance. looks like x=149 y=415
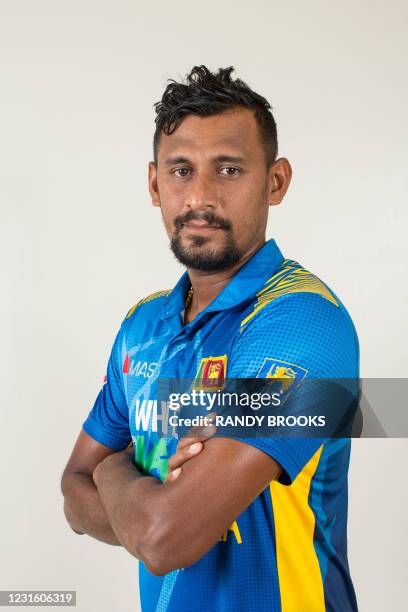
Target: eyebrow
x=179 y=159
x=232 y=159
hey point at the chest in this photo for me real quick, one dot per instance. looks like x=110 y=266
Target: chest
x=157 y=352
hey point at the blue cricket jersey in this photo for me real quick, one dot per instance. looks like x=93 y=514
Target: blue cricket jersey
x=287 y=552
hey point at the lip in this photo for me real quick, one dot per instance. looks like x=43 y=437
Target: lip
x=201 y=227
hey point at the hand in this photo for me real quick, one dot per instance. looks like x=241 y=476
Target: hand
x=188 y=447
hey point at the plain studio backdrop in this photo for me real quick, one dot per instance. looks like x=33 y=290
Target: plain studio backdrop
x=81 y=243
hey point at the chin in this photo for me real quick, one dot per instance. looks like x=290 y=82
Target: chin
x=205 y=253
x=197 y=241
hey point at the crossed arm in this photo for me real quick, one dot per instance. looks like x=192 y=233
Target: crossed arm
x=167 y=525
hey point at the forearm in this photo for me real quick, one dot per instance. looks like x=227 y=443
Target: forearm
x=173 y=525
x=144 y=513
x=83 y=508
x=129 y=500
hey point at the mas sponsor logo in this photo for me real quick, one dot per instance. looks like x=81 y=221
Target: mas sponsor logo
x=145 y=369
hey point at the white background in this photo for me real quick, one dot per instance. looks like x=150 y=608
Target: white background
x=80 y=242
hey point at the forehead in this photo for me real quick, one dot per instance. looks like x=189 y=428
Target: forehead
x=233 y=132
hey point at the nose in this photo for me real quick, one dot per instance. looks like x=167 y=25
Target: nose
x=202 y=194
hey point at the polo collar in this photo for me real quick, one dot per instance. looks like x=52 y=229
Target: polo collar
x=244 y=285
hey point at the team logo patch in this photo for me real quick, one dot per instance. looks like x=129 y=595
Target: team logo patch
x=281 y=373
x=211 y=373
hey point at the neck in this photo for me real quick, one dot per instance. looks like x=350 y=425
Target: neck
x=207 y=285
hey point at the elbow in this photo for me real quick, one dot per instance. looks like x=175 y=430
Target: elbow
x=71 y=520
x=152 y=551
x=67 y=486
x=69 y=513
x=157 y=568
x=157 y=548
x=63 y=485
x=159 y=564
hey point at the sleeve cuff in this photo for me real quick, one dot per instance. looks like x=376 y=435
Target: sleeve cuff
x=111 y=439
x=291 y=454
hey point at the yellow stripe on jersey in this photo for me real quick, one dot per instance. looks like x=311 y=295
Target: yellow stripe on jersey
x=149 y=298
x=292 y=278
x=300 y=580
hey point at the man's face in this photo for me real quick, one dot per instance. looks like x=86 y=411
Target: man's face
x=214 y=188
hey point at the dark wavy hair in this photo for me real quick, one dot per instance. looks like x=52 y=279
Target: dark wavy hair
x=206 y=93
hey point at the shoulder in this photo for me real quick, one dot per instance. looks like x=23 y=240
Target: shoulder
x=293 y=281
x=297 y=294
x=295 y=315
x=149 y=304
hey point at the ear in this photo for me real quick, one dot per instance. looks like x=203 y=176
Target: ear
x=280 y=174
x=153 y=189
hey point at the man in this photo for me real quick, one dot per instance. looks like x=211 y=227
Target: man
x=220 y=523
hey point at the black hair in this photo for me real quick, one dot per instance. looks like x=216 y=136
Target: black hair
x=206 y=93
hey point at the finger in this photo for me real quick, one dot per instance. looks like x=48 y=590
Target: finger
x=199 y=434
x=173 y=474
x=184 y=454
x=188 y=440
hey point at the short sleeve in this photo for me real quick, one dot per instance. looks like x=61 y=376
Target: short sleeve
x=108 y=421
x=303 y=336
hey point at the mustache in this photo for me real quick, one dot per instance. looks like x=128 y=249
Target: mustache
x=210 y=218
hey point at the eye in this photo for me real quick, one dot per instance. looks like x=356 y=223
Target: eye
x=230 y=171
x=181 y=172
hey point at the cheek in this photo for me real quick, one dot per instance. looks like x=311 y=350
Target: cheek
x=248 y=212
x=246 y=225
x=170 y=201
x=169 y=214
x=168 y=223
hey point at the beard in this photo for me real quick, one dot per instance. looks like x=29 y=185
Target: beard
x=199 y=257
